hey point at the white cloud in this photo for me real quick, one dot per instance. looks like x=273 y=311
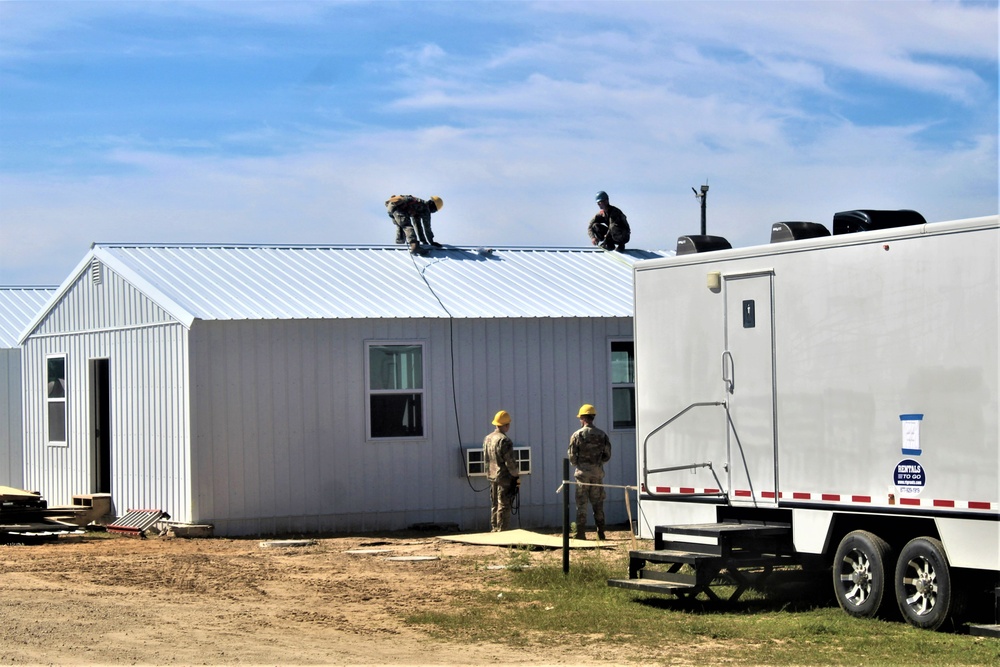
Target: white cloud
x=518 y=136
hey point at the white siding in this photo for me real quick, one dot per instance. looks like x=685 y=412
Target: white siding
x=11 y=473
x=279 y=421
x=147 y=356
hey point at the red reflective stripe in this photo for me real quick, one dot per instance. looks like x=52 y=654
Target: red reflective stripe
x=742 y=494
x=944 y=503
x=977 y=505
x=909 y=501
x=663 y=489
x=831 y=496
x=861 y=499
x=798 y=495
x=686 y=489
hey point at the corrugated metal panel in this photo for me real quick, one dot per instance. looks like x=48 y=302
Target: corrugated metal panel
x=279 y=425
x=18 y=306
x=319 y=282
x=11 y=448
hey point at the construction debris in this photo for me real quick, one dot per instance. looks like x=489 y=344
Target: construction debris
x=137 y=522
x=25 y=514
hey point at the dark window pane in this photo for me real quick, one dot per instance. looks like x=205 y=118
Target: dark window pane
x=624 y=407
x=56 y=373
x=396 y=415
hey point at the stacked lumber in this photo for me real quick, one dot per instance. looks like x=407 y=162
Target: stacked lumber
x=27 y=514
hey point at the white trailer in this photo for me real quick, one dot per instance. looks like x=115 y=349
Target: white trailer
x=829 y=400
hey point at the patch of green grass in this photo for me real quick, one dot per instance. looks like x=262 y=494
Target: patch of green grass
x=543 y=606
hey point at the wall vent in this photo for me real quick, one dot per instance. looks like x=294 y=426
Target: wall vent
x=96 y=274
x=475 y=461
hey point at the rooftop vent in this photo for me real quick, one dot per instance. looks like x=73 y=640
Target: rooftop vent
x=689 y=245
x=796 y=231
x=848 y=222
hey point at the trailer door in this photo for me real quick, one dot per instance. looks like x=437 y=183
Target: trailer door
x=749 y=374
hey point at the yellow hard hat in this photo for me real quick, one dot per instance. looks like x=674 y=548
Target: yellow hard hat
x=587 y=409
x=438 y=202
x=501 y=418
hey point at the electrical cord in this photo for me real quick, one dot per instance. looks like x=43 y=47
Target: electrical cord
x=454 y=392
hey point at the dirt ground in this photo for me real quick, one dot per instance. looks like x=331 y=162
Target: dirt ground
x=102 y=599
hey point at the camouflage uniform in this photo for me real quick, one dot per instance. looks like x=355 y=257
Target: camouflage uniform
x=589 y=450
x=502 y=472
x=412 y=217
x=609 y=229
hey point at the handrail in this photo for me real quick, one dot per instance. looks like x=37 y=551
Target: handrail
x=645 y=458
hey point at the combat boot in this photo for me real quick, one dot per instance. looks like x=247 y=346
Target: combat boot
x=580 y=535
x=600 y=533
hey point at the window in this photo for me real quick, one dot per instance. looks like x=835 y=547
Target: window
x=622 y=384
x=55 y=398
x=475 y=461
x=396 y=391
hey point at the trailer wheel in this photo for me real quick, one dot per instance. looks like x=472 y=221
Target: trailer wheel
x=859 y=577
x=924 y=591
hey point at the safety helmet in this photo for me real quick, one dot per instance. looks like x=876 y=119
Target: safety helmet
x=587 y=409
x=438 y=202
x=501 y=418
x=601 y=196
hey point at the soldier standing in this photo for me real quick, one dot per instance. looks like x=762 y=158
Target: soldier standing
x=589 y=450
x=502 y=470
x=609 y=227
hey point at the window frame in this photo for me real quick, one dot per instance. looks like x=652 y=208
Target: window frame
x=370 y=393
x=612 y=385
x=51 y=401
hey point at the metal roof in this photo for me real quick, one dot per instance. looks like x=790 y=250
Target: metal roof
x=248 y=282
x=18 y=306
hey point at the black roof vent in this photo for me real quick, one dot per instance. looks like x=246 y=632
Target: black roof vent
x=796 y=231
x=689 y=245
x=848 y=222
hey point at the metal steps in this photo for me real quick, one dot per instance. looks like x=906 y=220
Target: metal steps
x=688 y=560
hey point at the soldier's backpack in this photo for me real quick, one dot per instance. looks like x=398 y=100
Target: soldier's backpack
x=400 y=203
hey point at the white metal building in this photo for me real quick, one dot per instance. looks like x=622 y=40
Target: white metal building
x=272 y=389
x=18 y=305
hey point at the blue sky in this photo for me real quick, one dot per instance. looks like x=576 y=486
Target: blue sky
x=288 y=122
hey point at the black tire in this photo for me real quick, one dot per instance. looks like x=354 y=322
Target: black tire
x=860 y=581
x=924 y=591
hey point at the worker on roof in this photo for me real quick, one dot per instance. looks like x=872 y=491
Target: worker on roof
x=589 y=450
x=502 y=471
x=609 y=227
x=412 y=217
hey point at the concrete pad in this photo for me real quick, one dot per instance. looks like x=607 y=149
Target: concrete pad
x=511 y=538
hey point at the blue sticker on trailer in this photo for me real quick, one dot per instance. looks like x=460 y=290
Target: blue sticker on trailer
x=909 y=477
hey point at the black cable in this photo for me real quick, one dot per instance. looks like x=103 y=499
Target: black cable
x=454 y=392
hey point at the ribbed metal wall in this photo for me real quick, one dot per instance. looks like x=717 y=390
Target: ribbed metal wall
x=279 y=420
x=258 y=425
x=11 y=447
x=18 y=305
x=147 y=356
